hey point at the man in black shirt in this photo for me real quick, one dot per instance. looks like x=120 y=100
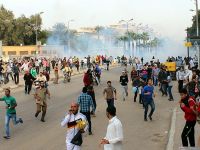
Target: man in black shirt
x=15 y=70
x=28 y=82
x=124 y=83
x=1 y=74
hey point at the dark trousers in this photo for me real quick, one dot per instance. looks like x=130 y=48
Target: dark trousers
x=87 y=115
x=169 y=89
x=28 y=87
x=135 y=96
x=188 y=133
x=107 y=66
x=164 y=88
x=180 y=85
x=48 y=69
x=9 y=73
x=148 y=103
x=37 y=69
x=110 y=102
x=16 y=78
x=95 y=104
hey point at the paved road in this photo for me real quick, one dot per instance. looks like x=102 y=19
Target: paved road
x=35 y=135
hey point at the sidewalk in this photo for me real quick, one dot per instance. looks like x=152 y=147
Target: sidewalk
x=12 y=85
x=178 y=123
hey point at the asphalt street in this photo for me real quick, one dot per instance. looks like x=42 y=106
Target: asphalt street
x=138 y=135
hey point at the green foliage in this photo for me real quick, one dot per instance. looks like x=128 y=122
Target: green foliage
x=142 y=39
x=21 y=30
x=192 y=31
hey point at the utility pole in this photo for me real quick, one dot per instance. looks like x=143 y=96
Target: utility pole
x=197 y=28
x=188 y=49
x=127 y=30
x=197 y=17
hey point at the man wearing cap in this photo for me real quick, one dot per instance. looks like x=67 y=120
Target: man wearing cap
x=71 y=119
x=41 y=102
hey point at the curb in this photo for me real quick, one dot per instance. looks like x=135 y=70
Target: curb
x=170 y=143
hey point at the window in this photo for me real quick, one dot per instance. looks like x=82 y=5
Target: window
x=11 y=53
x=33 y=52
x=44 y=52
x=23 y=52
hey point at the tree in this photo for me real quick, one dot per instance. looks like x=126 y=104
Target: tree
x=124 y=39
x=145 y=38
x=6 y=25
x=21 y=30
x=192 y=31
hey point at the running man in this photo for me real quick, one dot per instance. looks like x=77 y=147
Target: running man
x=11 y=104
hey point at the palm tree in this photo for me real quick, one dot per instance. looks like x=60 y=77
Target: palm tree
x=145 y=38
x=124 y=39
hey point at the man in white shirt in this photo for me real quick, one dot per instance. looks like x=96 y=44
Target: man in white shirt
x=191 y=63
x=188 y=75
x=25 y=66
x=180 y=77
x=114 y=135
x=41 y=77
x=70 y=121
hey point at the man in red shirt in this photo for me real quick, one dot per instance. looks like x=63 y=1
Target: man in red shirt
x=87 y=79
x=187 y=104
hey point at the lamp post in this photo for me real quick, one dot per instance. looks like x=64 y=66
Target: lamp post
x=197 y=17
x=68 y=39
x=127 y=30
x=197 y=26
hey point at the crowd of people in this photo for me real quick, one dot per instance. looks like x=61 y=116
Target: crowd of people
x=144 y=77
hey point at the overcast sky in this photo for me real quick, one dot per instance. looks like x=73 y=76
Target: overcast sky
x=168 y=17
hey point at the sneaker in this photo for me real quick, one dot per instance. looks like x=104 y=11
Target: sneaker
x=90 y=133
x=145 y=119
x=36 y=115
x=150 y=118
x=123 y=99
x=6 y=137
x=42 y=120
x=20 y=120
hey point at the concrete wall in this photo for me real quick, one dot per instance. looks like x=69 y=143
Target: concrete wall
x=18 y=50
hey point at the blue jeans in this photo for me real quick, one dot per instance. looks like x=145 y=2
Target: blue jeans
x=7 y=121
x=155 y=80
x=170 y=92
x=146 y=104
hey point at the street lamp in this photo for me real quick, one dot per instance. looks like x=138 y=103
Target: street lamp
x=127 y=24
x=68 y=39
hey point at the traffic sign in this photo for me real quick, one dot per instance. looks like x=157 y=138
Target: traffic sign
x=188 y=44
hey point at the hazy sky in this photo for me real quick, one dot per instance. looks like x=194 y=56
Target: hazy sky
x=168 y=17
